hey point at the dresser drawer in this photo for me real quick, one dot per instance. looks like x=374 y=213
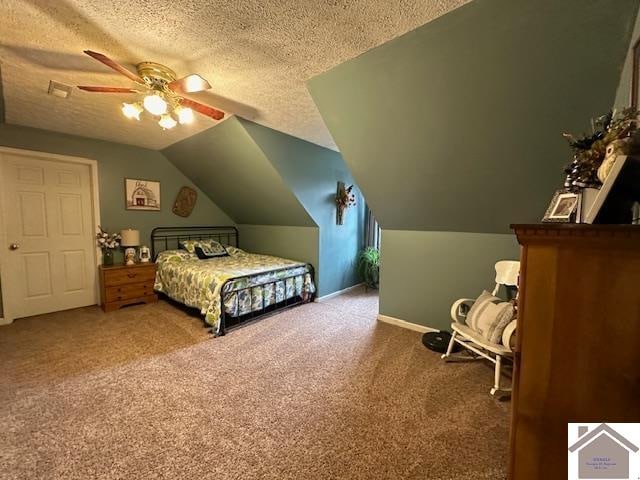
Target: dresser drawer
x=125 y=292
x=129 y=275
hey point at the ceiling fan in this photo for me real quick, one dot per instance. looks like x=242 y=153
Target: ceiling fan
x=164 y=93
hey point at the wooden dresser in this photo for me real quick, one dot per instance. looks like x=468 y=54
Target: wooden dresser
x=122 y=285
x=577 y=357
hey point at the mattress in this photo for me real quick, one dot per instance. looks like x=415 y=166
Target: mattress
x=242 y=280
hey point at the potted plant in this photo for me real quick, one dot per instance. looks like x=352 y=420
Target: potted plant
x=107 y=242
x=369 y=266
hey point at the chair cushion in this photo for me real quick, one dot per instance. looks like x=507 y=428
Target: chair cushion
x=467 y=334
x=489 y=316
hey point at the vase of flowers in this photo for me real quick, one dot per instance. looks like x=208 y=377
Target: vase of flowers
x=107 y=242
x=344 y=198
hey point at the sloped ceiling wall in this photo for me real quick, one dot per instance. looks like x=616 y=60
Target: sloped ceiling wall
x=456 y=125
x=228 y=166
x=262 y=177
x=312 y=173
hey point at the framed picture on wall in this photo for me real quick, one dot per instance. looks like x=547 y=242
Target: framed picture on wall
x=635 y=77
x=142 y=194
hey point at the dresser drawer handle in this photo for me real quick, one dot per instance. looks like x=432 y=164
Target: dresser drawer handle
x=131 y=275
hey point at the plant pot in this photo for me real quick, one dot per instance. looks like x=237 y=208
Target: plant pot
x=107 y=257
x=372 y=276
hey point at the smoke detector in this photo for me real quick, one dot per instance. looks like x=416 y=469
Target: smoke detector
x=58 y=89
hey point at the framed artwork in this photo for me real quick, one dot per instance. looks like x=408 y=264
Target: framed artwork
x=635 y=77
x=141 y=194
x=564 y=207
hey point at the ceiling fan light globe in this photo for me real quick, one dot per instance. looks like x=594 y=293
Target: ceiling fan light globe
x=167 y=122
x=132 y=110
x=155 y=104
x=195 y=83
x=185 y=115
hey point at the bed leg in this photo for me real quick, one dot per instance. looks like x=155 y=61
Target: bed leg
x=221 y=330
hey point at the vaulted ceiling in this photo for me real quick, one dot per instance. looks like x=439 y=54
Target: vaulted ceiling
x=257 y=54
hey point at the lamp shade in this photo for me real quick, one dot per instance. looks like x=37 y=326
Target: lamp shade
x=130 y=238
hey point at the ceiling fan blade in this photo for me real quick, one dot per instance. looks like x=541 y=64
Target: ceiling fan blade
x=114 y=65
x=87 y=88
x=202 y=108
x=190 y=84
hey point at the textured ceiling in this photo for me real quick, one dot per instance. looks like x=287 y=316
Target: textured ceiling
x=257 y=54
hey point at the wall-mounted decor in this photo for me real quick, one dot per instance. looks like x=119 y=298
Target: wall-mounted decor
x=142 y=194
x=635 y=78
x=344 y=199
x=185 y=201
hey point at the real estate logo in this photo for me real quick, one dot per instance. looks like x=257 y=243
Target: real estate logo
x=604 y=451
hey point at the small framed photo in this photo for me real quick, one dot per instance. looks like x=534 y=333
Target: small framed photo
x=142 y=194
x=564 y=208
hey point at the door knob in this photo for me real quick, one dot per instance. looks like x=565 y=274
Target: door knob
x=14 y=246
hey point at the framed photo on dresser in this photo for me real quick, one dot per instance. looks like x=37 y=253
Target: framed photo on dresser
x=564 y=208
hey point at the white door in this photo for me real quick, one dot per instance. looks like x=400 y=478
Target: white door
x=49 y=257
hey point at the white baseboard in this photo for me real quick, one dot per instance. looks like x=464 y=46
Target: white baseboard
x=339 y=292
x=404 y=324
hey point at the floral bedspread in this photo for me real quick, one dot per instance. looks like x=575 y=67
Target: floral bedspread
x=198 y=283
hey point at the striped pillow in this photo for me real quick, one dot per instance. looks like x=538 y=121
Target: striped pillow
x=489 y=316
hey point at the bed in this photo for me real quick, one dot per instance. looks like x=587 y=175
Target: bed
x=229 y=289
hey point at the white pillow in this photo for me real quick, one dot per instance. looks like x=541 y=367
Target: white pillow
x=489 y=316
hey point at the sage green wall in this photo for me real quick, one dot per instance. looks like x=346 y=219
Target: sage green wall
x=230 y=168
x=312 y=173
x=423 y=273
x=296 y=243
x=452 y=131
x=623 y=95
x=115 y=162
x=456 y=125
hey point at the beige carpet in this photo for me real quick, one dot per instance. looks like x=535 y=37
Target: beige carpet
x=322 y=391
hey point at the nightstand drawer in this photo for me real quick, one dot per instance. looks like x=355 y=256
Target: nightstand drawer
x=129 y=275
x=125 y=292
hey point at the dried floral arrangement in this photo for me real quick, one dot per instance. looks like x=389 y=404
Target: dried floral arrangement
x=108 y=241
x=345 y=198
x=589 y=151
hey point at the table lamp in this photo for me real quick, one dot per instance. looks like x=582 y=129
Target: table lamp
x=130 y=239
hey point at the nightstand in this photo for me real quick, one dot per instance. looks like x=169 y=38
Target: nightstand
x=122 y=285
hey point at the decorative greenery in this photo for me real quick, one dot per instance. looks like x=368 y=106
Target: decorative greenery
x=589 y=150
x=108 y=241
x=369 y=266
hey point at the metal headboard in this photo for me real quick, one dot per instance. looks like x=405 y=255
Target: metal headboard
x=169 y=238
